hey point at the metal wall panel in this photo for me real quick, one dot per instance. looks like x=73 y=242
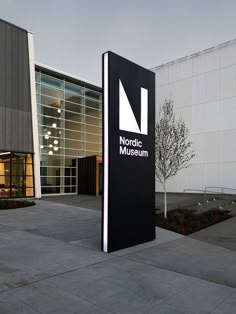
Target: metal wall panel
x=15 y=100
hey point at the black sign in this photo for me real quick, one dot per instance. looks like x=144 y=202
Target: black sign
x=128 y=153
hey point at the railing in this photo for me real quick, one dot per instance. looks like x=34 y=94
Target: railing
x=221 y=190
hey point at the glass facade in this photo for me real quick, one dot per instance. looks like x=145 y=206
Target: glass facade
x=16 y=175
x=70 y=127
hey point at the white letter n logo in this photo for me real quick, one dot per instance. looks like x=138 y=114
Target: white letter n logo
x=127 y=118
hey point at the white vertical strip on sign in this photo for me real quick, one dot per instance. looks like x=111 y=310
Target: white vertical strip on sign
x=37 y=186
x=144 y=111
x=105 y=187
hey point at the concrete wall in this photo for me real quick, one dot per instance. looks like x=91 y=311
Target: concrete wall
x=203 y=88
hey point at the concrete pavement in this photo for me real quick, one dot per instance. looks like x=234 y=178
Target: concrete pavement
x=50 y=262
x=222 y=234
x=174 y=200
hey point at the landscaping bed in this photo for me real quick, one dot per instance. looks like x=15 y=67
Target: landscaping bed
x=11 y=204
x=186 y=221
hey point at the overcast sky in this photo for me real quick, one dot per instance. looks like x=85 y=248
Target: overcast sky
x=71 y=35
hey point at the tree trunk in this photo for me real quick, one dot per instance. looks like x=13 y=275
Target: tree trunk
x=165 y=201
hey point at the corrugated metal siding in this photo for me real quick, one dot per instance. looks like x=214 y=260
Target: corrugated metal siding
x=15 y=100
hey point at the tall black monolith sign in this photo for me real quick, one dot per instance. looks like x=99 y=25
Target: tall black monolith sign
x=128 y=153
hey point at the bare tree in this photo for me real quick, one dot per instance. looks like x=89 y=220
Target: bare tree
x=173 y=150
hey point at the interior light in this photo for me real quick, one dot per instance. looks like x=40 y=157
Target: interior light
x=50 y=145
x=54 y=125
x=59 y=110
x=6 y=153
x=55 y=148
x=46 y=136
x=49 y=133
x=41 y=146
x=50 y=152
x=55 y=142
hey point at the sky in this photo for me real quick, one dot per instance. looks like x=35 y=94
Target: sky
x=71 y=35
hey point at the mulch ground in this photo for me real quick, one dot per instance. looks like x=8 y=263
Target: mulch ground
x=12 y=204
x=186 y=221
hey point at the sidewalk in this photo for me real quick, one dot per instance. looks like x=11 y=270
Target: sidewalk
x=50 y=262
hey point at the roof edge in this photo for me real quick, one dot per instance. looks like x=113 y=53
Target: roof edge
x=14 y=25
x=230 y=42
x=66 y=74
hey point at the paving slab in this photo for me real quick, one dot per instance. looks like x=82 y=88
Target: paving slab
x=6 y=229
x=44 y=214
x=45 y=298
x=83 y=201
x=162 y=236
x=12 y=305
x=194 y=258
x=65 y=223
x=222 y=234
x=50 y=262
x=174 y=200
x=228 y=306
x=70 y=231
x=124 y=286
x=26 y=257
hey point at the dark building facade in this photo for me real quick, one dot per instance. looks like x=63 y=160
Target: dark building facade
x=17 y=151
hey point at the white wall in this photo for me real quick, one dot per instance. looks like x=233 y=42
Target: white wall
x=203 y=88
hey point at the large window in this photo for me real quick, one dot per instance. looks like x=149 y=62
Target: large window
x=16 y=175
x=70 y=126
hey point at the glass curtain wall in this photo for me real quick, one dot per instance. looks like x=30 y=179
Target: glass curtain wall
x=70 y=126
x=16 y=175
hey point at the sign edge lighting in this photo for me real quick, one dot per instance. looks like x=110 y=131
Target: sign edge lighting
x=105 y=150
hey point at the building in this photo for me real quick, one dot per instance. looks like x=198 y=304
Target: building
x=203 y=88
x=48 y=120
x=51 y=121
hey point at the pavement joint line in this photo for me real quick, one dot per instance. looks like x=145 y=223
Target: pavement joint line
x=28 y=305
x=181 y=273
x=223 y=301
x=83 y=208
x=147 y=248
x=58 y=288
x=164 y=243
x=213 y=244
x=123 y=256
x=7 y=226
x=43 y=236
x=52 y=276
x=113 y=253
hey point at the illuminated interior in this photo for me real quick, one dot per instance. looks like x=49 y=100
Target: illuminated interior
x=70 y=127
x=16 y=175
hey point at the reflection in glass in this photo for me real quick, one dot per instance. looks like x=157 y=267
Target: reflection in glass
x=73 y=88
x=51 y=81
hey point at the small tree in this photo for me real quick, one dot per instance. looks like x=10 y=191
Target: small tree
x=173 y=150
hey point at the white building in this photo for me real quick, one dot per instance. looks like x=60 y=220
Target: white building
x=203 y=88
